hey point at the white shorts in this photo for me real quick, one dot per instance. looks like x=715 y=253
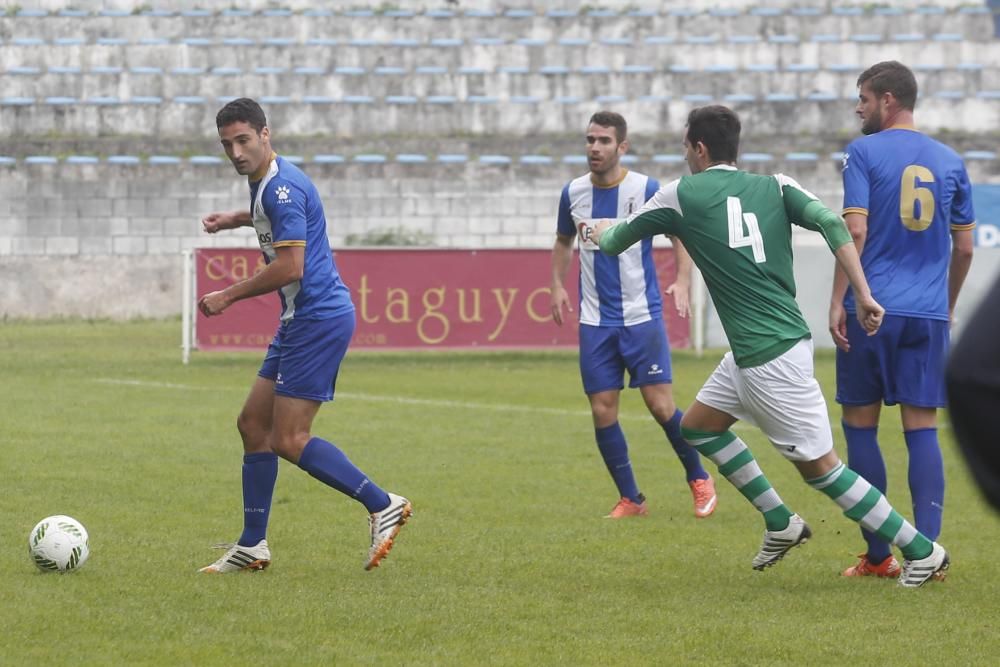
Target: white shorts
x=781 y=397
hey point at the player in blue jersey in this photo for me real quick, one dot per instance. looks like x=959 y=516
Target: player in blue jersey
x=621 y=313
x=300 y=368
x=908 y=205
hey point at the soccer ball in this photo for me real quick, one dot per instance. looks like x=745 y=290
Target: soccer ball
x=59 y=544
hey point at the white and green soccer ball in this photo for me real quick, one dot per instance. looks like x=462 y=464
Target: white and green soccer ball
x=59 y=544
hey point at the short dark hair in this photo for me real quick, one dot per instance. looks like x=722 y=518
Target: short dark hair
x=611 y=119
x=893 y=77
x=242 y=110
x=717 y=127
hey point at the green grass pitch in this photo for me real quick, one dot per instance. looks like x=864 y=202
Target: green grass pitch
x=507 y=560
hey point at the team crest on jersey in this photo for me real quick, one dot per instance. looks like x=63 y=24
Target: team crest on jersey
x=282 y=192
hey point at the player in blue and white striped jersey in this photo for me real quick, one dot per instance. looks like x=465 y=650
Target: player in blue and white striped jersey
x=300 y=368
x=621 y=313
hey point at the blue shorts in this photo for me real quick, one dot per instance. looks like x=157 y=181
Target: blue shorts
x=305 y=355
x=903 y=363
x=605 y=353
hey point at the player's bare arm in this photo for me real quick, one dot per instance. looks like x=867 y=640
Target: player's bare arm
x=562 y=255
x=958 y=267
x=285 y=269
x=218 y=221
x=857 y=225
x=870 y=312
x=680 y=289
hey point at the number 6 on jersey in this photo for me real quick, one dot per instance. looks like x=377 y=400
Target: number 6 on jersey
x=737 y=237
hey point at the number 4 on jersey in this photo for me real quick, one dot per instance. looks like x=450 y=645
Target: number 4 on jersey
x=740 y=237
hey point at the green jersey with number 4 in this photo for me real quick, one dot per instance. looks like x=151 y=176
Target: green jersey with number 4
x=737 y=228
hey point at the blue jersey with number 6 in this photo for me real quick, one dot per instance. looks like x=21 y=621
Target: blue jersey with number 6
x=914 y=190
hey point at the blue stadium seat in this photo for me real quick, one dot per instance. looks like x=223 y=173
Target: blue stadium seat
x=162 y=159
x=205 y=159
x=146 y=99
x=783 y=39
x=73 y=13
x=494 y=159
x=471 y=70
x=668 y=158
x=431 y=69
x=766 y=11
x=452 y=158
x=69 y=41
x=739 y=97
x=103 y=101
x=24 y=70
x=948 y=37
x=629 y=159
x=358 y=13
x=440 y=99
x=701 y=39
x=189 y=99
x=594 y=69
x=399 y=14
x=309 y=71
x=234 y=12
x=113 y=70
x=637 y=69
x=602 y=13
x=847 y=11
x=757 y=157
x=239 y=41
x=825 y=37
x=41 y=159
x=153 y=41
x=980 y=155
x=16 y=101
x=82 y=159
x=822 y=96
x=654 y=99
x=574 y=41
x=294 y=159
x=188 y=71
x=489 y=41
x=535 y=159
x=930 y=9
x=553 y=69
x=350 y=71
x=196 y=41
x=274 y=99
x=531 y=41
x=226 y=71
x=387 y=71
x=114 y=13
x=658 y=39
x=806 y=11
x=146 y=70
x=616 y=41
x=574 y=159
x=988 y=94
x=58 y=69
x=681 y=69
x=439 y=13
x=802 y=157
x=31 y=13
x=781 y=97
x=324 y=158
x=566 y=99
x=363 y=41
x=642 y=13
x=318 y=99
x=447 y=42
x=724 y=12
x=321 y=41
x=196 y=13
x=844 y=67
x=969 y=66
x=801 y=67
x=480 y=13
x=561 y=13
x=762 y=67
x=697 y=98
x=369 y=158
x=743 y=39
x=866 y=37
x=276 y=12
x=411 y=158
x=908 y=37
x=400 y=99
x=481 y=99
x=513 y=69
x=525 y=99
x=278 y=41
x=359 y=99
x=610 y=99
x=60 y=101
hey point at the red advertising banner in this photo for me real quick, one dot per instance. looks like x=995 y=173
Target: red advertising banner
x=413 y=298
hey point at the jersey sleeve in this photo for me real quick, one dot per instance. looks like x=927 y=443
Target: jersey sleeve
x=856 y=179
x=285 y=206
x=806 y=211
x=660 y=215
x=652 y=187
x=962 y=214
x=564 y=224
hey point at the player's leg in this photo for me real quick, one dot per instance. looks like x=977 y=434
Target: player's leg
x=311 y=357
x=706 y=426
x=646 y=351
x=788 y=404
x=259 y=472
x=918 y=386
x=602 y=371
x=861 y=383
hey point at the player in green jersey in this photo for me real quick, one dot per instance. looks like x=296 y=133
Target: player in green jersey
x=737 y=228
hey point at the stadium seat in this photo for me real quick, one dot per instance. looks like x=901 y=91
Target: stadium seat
x=610 y=99
x=525 y=99
x=825 y=37
x=806 y=11
x=865 y=37
x=561 y=13
x=743 y=39
x=513 y=69
x=988 y=94
x=386 y=71
x=757 y=157
x=801 y=67
x=736 y=98
x=321 y=41
x=637 y=69
x=146 y=70
x=189 y=99
x=272 y=100
x=440 y=99
x=948 y=37
x=328 y=159
x=629 y=159
x=781 y=97
x=226 y=71
x=82 y=159
x=123 y=159
x=697 y=98
x=616 y=41
x=847 y=11
x=400 y=99
x=439 y=13
x=113 y=70
x=196 y=41
x=69 y=41
x=146 y=99
x=471 y=70
x=309 y=71
x=783 y=39
x=481 y=99
x=350 y=71
x=239 y=41
x=206 y=160
x=318 y=99
x=908 y=37
x=594 y=69
x=701 y=39
x=162 y=159
x=58 y=69
x=887 y=11
x=16 y=101
x=480 y=13
x=979 y=155
x=668 y=158
x=60 y=101
x=103 y=100
x=567 y=99
x=359 y=99
x=278 y=41
x=452 y=158
x=658 y=39
x=447 y=42
x=411 y=158
x=765 y=11
x=489 y=41
x=720 y=69
x=802 y=157
x=762 y=67
x=369 y=158
x=574 y=41
x=41 y=159
x=187 y=71
x=531 y=41
x=574 y=159
x=535 y=159
x=822 y=96
x=553 y=69
x=602 y=13
x=431 y=69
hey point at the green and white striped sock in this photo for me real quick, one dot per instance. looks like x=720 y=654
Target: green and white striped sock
x=866 y=505
x=738 y=465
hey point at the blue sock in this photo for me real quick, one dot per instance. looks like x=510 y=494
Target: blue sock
x=331 y=466
x=686 y=453
x=614 y=449
x=926 y=479
x=865 y=458
x=260 y=472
